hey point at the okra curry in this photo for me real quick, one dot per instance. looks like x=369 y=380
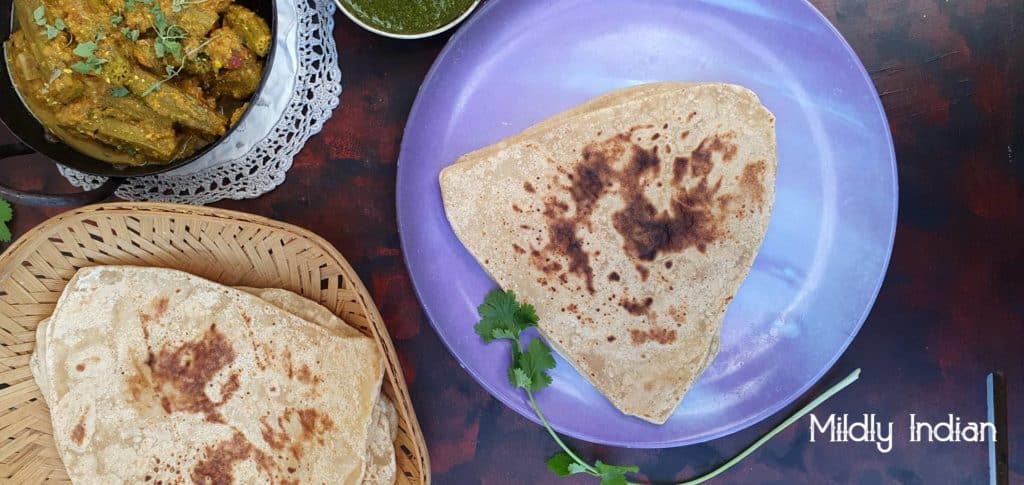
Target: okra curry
x=137 y=81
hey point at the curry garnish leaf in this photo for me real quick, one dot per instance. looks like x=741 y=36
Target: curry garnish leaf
x=159 y=19
x=39 y=15
x=91 y=64
x=85 y=49
x=167 y=44
x=172 y=71
x=6 y=214
x=168 y=36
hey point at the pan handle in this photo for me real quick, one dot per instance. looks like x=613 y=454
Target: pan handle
x=41 y=199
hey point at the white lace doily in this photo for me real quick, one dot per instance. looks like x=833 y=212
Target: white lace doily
x=299 y=96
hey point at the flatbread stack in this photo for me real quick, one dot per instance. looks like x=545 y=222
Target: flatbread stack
x=629 y=222
x=158 y=376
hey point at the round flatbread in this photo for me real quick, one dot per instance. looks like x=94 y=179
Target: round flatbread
x=157 y=375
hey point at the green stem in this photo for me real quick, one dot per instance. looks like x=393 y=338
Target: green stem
x=839 y=386
x=551 y=431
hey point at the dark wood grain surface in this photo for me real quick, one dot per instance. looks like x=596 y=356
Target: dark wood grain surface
x=952 y=307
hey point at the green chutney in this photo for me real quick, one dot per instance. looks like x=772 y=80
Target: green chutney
x=407 y=17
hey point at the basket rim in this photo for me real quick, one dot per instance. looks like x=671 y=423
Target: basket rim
x=15 y=252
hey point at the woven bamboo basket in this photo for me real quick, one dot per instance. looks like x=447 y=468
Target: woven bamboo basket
x=231 y=248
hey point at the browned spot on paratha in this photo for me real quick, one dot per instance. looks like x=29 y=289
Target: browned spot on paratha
x=702 y=157
x=78 y=432
x=178 y=376
x=295 y=430
x=679 y=166
x=219 y=460
x=751 y=181
x=636 y=307
x=660 y=335
x=646 y=230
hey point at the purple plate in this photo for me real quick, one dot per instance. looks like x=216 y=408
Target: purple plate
x=518 y=61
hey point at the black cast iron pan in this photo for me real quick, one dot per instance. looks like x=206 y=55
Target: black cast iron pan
x=35 y=138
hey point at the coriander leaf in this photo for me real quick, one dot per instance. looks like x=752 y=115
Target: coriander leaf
x=85 y=49
x=6 y=214
x=51 y=32
x=609 y=468
x=83 y=67
x=159 y=19
x=174 y=48
x=527 y=315
x=518 y=377
x=129 y=4
x=535 y=363
x=158 y=47
x=59 y=24
x=560 y=463
x=116 y=19
x=119 y=92
x=39 y=14
x=502 y=317
x=575 y=468
x=132 y=34
x=614 y=474
x=614 y=480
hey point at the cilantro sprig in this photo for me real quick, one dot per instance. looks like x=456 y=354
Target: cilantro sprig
x=168 y=39
x=502 y=317
x=6 y=214
x=173 y=71
x=52 y=31
x=168 y=36
x=90 y=63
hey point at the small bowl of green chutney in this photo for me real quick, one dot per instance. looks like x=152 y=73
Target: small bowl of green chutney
x=407 y=19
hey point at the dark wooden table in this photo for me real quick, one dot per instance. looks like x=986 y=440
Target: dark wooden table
x=950 y=74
